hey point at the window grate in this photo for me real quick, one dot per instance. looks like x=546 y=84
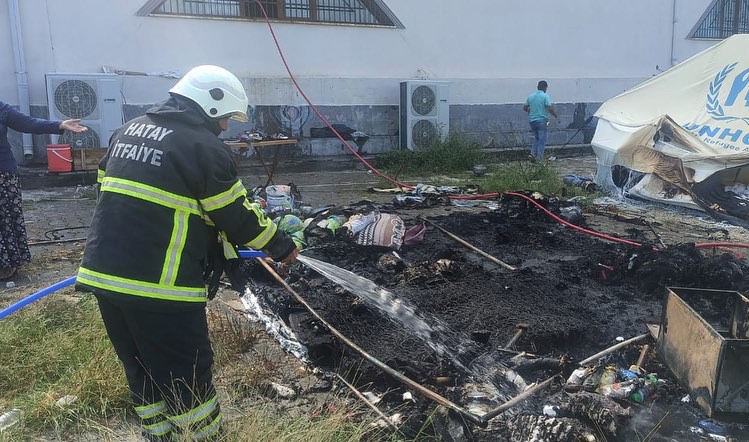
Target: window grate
x=723 y=19
x=367 y=12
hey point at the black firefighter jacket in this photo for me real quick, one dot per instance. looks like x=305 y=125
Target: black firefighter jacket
x=165 y=182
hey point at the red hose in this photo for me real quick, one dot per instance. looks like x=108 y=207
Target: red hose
x=319 y=115
x=456 y=197
x=572 y=226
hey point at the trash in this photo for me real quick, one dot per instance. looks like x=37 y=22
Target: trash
x=407 y=396
x=371 y=397
x=66 y=400
x=579 y=181
x=686 y=399
x=289 y=223
x=620 y=390
x=387 y=231
x=711 y=426
x=608 y=377
x=294 y=226
x=591 y=382
x=283 y=391
x=577 y=376
x=332 y=223
x=279 y=197
x=479 y=169
x=717 y=437
x=10 y=418
x=626 y=375
x=10 y=285
x=415 y=234
x=357 y=223
x=572 y=214
x=550 y=410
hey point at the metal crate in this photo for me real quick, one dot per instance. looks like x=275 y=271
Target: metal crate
x=703 y=340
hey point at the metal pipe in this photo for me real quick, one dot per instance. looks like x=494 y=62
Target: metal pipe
x=400 y=377
x=22 y=80
x=472 y=247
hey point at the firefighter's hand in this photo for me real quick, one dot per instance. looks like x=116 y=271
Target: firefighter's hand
x=292 y=257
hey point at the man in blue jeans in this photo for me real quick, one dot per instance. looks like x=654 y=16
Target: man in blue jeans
x=538 y=106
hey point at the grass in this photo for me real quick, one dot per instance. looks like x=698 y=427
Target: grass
x=454 y=154
x=58 y=347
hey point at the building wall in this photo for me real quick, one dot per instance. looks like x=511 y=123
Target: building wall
x=493 y=52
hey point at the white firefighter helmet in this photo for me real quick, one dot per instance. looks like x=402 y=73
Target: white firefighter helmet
x=216 y=90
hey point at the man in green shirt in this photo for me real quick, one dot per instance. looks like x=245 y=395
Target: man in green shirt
x=539 y=106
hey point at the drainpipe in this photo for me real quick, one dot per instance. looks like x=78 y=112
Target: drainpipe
x=673 y=31
x=22 y=80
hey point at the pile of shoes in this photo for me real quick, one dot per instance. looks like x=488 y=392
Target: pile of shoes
x=249 y=136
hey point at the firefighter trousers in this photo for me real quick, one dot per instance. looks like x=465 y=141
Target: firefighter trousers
x=166 y=353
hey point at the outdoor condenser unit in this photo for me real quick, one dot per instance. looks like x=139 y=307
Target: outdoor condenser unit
x=94 y=98
x=704 y=339
x=424 y=112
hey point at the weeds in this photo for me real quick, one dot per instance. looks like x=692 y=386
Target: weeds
x=453 y=154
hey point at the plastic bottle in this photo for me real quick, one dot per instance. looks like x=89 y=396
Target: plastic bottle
x=626 y=375
x=10 y=418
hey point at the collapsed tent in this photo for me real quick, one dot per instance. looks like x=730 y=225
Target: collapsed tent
x=682 y=137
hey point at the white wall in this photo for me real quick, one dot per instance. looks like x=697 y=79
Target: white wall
x=494 y=51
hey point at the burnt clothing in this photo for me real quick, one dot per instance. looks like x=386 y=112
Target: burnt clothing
x=13 y=119
x=167 y=358
x=167 y=185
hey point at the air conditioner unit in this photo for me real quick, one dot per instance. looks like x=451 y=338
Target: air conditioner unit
x=95 y=99
x=424 y=112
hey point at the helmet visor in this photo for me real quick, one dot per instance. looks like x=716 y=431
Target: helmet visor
x=239 y=116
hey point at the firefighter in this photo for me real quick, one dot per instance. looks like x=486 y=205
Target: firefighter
x=168 y=192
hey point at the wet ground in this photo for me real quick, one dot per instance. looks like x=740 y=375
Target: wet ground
x=576 y=293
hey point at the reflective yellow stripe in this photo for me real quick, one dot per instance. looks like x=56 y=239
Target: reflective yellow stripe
x=223 y=199
x=100 y=176
x=140 y=288
x=210 y=429
x=262 y=240
x=229 y=251
x=265 y=223
x=159 y=428
x=174 y=251
x=151 y=194
x=151 y=410
x=197 y=413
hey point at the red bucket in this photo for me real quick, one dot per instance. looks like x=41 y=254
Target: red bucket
x=59 y=158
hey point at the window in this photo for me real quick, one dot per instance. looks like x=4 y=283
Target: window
x=360 y=12
x=722 y=19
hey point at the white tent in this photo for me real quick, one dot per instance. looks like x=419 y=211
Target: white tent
x=686 y=130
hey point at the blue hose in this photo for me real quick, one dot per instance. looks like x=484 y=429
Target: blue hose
x=246 y=254
x=36 y=296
